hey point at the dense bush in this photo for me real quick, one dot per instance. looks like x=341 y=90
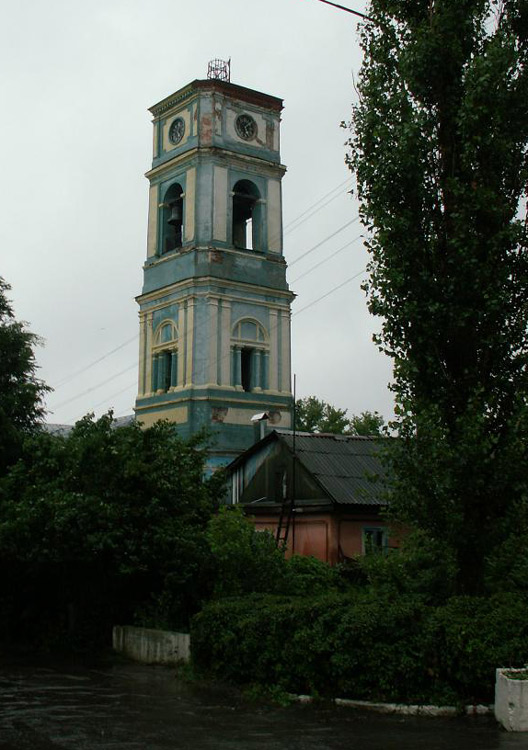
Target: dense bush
x=247 y=561
x=364 y=647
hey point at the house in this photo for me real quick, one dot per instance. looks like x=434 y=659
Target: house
x=323 y=492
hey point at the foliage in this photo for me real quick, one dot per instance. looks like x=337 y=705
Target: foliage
x=314 y=415
x=365 y=647
x=421 y=568
x=367 y=424
x=308 y=576
x=439 y=149
x=21 y=393
x=247 y=561
x=103 y=523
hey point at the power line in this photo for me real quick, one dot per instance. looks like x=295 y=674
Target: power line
x=310 y=210
x=347 y=10
x=95 y=387
x=315 y=206
x=328 y=237
x=308 y=252
x=315 y=301
x=95 y=362
x=325 y=260
x=272 y=330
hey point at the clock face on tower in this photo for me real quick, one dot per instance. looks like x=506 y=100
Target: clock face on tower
x=177 y=130
x=246 y=127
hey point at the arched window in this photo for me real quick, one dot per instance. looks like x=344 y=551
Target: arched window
x=249 y=351
x=172 y=218
x=246 y=216
x=165 y=357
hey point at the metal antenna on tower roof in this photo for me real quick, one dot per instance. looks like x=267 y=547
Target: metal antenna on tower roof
x=219 y=69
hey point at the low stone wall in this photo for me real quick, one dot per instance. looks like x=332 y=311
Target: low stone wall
x=151 y=646
x=511 y=700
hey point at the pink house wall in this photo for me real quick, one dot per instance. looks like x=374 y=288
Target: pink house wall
x=324 y=536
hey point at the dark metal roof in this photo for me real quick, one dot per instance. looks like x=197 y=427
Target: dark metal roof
x=347 y=468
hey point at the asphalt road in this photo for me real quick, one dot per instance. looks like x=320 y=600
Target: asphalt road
x=133 y=707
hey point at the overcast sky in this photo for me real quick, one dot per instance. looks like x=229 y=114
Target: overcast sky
x=75 y=141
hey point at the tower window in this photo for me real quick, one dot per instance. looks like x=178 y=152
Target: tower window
x=172 y=219
x=249 y=349
x=246 y=216
x=165 y=357
x=246 y=357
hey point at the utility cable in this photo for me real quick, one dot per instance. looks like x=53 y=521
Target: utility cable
x=95 y=387
x=315 y=206
x=219 y=361
x=328 y=237
x=347 y=10
x=315 y=301
x=311 y=208
x=95 y=362
x=325 y=260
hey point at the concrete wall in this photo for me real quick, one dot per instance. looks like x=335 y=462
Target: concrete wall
x=511 y=701
x=151 y=646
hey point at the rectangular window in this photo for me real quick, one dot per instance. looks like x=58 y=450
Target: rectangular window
x=374 y=539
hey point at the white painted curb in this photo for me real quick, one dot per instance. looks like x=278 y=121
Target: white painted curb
x=403 y=708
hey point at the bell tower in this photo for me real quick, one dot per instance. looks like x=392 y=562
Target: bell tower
x=215 y=306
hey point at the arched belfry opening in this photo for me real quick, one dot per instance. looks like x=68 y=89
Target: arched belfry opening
x=172 y=218
x=246 y=216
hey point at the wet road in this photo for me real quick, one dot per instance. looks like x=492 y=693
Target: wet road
x=133 y=707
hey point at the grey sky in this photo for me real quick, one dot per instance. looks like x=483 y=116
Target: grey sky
x=75 y=140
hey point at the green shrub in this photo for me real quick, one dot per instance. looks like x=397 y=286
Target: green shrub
x=474 y=636
x=308 y=576
x=364 y=647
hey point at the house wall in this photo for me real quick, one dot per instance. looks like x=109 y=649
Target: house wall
x=326 y=537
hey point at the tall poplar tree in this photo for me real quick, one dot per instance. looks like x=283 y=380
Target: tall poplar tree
x=439 y=149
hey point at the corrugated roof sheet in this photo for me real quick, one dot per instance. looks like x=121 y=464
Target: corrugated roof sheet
x=348 y=468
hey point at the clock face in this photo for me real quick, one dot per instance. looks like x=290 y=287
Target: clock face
x=246 y=127
x=177 y=130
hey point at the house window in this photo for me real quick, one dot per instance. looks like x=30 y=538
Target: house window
x=374 y=539
x=172 y=219
x=246 y=216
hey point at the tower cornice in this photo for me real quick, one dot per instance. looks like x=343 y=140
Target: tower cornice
x=242 y=160
x=256 y=98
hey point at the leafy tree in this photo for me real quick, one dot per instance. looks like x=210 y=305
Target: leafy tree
x=102 y=525
x=439 y=148
x=315 y=415
x=21 y=393
x=368 y=424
